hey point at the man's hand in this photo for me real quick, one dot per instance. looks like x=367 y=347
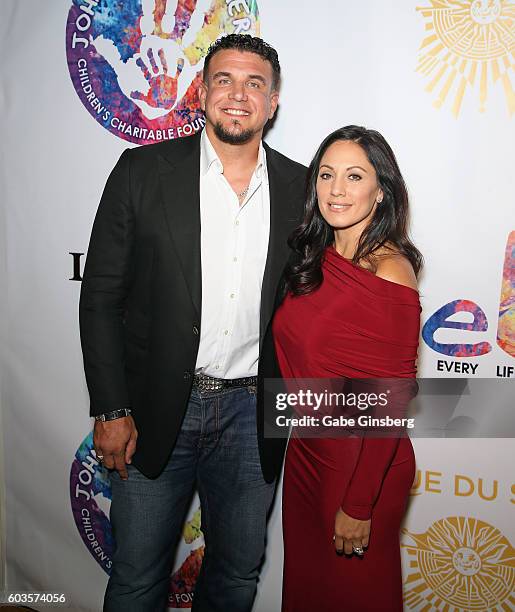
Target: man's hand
x=116 y=442
x=349 y=532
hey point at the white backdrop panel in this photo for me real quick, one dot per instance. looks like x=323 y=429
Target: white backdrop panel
x=349 y=62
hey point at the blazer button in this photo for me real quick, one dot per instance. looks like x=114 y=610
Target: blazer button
x=186 y=375
x=195 y=330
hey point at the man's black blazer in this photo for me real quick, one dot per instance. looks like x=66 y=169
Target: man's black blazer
x=140 y=302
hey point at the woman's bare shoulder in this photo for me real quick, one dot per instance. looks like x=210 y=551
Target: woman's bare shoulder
x=394 y=267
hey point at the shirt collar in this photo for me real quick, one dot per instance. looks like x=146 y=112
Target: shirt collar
x=209 y=158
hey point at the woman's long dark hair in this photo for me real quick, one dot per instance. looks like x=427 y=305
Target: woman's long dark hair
x=387 y=228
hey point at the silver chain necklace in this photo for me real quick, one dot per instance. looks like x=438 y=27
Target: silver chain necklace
x=243 y=194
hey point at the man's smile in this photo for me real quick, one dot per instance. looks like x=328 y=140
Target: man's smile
x=235 y=112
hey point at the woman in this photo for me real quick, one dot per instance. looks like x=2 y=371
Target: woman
x=351 y=310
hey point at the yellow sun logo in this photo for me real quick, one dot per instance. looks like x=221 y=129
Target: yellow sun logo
x=459 y=564
x=469 y=43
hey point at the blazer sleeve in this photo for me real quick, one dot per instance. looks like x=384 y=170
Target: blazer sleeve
x=104 y=293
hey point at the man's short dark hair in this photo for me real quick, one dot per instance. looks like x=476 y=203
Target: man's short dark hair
x=250 y=44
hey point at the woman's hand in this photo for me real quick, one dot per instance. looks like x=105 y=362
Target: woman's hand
x=350 y=532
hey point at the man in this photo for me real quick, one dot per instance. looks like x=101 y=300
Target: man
x=185 y=256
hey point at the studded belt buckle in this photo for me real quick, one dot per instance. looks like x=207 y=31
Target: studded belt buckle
x=207 y=384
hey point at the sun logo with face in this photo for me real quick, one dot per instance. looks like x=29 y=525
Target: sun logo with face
x=469 y=44
x=460 y=563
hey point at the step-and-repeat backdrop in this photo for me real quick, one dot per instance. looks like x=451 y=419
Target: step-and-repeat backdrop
x=434 y=76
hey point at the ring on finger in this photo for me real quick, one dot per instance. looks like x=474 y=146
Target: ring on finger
x=358 y=550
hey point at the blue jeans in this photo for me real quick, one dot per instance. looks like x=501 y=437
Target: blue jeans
x=217 y=451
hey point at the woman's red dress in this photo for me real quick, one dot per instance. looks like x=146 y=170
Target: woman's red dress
x=354 y=325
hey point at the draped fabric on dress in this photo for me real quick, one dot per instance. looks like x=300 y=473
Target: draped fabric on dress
x=354 y=325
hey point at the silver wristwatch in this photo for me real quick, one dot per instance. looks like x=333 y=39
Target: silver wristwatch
x=115 y=414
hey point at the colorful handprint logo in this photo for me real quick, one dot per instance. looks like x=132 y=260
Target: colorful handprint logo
x=136 y=65
x=90 y=496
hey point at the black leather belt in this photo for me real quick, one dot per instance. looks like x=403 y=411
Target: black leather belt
x=208 y=384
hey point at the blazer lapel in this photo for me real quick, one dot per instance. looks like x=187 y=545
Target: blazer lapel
x=179 y=174
x=284 y=218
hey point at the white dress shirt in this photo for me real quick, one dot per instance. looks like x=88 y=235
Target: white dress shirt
x=234 y=246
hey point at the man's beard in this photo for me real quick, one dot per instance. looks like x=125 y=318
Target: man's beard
x=232 y=138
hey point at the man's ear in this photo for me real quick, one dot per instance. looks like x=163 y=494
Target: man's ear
x=274 y=103
x=202 y=93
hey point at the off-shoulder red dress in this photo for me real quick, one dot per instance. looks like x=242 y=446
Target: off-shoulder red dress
x=362 y=326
